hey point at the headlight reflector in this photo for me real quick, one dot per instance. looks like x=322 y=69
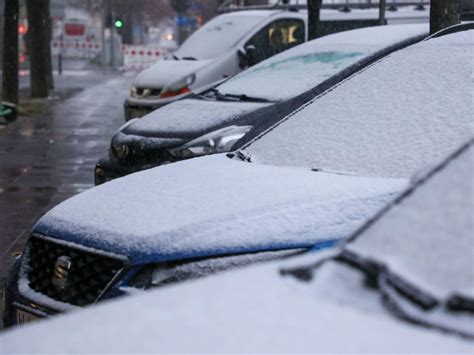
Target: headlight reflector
x=133 y=91
x=179 y=87
x=219 y=141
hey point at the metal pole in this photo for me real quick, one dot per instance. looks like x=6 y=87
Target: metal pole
x=60 y=63
x=382 y=12
x=112 y=40
x=104 y=14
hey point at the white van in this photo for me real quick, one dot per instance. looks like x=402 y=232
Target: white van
x=221 y=48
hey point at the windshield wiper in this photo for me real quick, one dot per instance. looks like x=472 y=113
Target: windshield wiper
x=231 y=97
x=329 y=171
x=246 y=98
x=189 y=58
x=377 y=271
x=176 y=57
x=461 y=303
x=216 y=95
x=396 y=291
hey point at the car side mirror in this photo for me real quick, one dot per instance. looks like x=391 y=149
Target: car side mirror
x=8 y=111
x=247 y=56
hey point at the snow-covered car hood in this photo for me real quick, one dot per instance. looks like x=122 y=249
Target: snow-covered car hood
x=190 y=117
x=165 y=72
x=224 y=206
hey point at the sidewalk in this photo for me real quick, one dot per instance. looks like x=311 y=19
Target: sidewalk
x=45 y=158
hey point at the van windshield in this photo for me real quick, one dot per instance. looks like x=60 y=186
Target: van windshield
x=217 y=36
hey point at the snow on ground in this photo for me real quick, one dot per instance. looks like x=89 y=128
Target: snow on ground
x=400 y=115
x=190 y=117
x=215 y=205
x=253 y=310
x=286 y=75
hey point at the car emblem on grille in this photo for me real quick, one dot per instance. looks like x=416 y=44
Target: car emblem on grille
x=61 y=272
x=122 y=151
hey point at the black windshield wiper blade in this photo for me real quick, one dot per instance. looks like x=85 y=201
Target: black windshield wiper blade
x=176 y=57
x=217 y=95
x=376 y=272
x=188 y=58
x=231 y=97
x=246 y=98
x=461 y=303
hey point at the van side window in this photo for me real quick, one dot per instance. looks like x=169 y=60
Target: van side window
x=276 y=37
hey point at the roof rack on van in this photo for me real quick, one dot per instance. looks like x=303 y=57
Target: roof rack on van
x=233 y=5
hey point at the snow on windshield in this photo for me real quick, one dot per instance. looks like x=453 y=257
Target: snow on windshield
x=299 y=69
x=428 y=239
x=217 y=36
x=285 y=78
x=403 y=113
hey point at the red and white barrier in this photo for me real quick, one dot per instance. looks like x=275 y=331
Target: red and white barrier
x=135 y=57
x=139 y=57
x=80 y=49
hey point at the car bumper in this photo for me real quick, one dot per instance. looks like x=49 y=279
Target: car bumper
x=18 y=309
x=107 y=169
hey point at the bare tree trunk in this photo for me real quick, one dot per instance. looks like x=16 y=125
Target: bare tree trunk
x=314 y=9
x=444 y=13
x=38 y=43
x=49 y=58
x=10 y=52
x=382 y=9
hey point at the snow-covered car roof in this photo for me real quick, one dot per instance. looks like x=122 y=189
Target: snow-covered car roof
x=333 y=310
x=278 y=78
x=392 y=118
x=221 y=34
x=215 y=206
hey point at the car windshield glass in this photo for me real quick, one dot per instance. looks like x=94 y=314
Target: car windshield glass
x=290 y=71
x=217 y=36
x=389 y=120
x=428 y=237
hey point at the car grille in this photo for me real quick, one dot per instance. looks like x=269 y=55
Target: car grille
x=144 y=92
x=137 y=156
x=88 y=277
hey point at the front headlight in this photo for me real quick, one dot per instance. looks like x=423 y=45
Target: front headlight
x=218 y=141
x=133 y=91
x=179 y=87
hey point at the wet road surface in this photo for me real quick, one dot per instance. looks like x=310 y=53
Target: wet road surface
x=48 y=157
